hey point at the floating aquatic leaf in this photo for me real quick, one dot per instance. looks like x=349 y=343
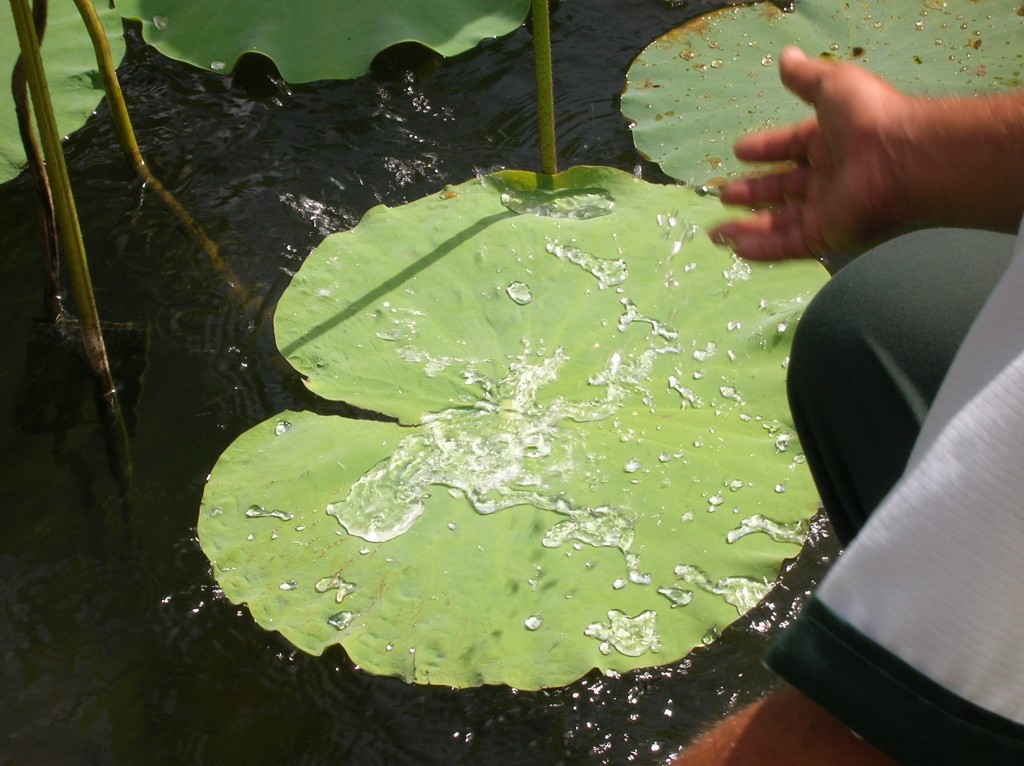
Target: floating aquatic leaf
x=545 y=472
x=71 y=74
x=329 y=39
x=693 y=91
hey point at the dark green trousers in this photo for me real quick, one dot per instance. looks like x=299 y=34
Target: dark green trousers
x=870 y=354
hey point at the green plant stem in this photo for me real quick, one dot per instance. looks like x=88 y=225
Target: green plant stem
x=126 y=134
x=70 y=232
x=545 y=89
x=67 y=218
x=52 y=307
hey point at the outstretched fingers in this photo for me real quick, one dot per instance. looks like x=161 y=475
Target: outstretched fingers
x=792 y=142
x=773 y=189
x=793 y=200
x=767 y=235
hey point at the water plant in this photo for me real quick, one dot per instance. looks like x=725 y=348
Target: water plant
x=590 y=464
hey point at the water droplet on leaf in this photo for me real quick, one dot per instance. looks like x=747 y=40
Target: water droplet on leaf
x=632 y=636
x=561 y=203
x=520 y=293
x=258 y=511
x=783 y=532
x=335 y=582
x=341 y=620
x=677 y=595
x=608 y=271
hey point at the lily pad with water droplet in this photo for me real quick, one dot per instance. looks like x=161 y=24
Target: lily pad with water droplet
x=544 y=463
x=693 y=91
x=328 y=39
x=71 y=74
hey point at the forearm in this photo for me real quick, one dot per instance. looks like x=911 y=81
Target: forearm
x=783 y=728
x=960 y=162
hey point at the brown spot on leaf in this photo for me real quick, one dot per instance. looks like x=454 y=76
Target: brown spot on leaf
x=697 y=26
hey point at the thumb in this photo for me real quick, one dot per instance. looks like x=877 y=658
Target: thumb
x=802 y=75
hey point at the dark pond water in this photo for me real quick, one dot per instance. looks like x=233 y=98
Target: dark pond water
x=117 y=645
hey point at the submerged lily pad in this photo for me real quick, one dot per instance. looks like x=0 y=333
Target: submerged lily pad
x=71 y=73
x=592 y=465
x=693 y=91
x=328 y=39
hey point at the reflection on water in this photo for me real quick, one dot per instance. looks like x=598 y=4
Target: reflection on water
x=117 y=645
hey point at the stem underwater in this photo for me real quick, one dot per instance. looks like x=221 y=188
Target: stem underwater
x=70 y=237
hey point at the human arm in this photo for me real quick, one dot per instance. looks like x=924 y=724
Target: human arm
x=784 y=727
x=874 y=162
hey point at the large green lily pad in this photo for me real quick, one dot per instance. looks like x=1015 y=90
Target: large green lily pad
x=71 y=73
x=692 y=92
x=327 y=39
x=593 y=464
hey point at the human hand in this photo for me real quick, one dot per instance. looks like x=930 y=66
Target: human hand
x=843 y=189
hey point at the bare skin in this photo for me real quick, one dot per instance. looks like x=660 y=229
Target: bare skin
x=783 y=728
x=874 y=162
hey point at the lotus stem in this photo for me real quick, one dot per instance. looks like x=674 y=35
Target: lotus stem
x=545 y=89
x=52 y=308
x=70 y=233
x=126 y=134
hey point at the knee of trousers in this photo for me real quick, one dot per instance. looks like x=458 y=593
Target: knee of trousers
x=871 y=351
